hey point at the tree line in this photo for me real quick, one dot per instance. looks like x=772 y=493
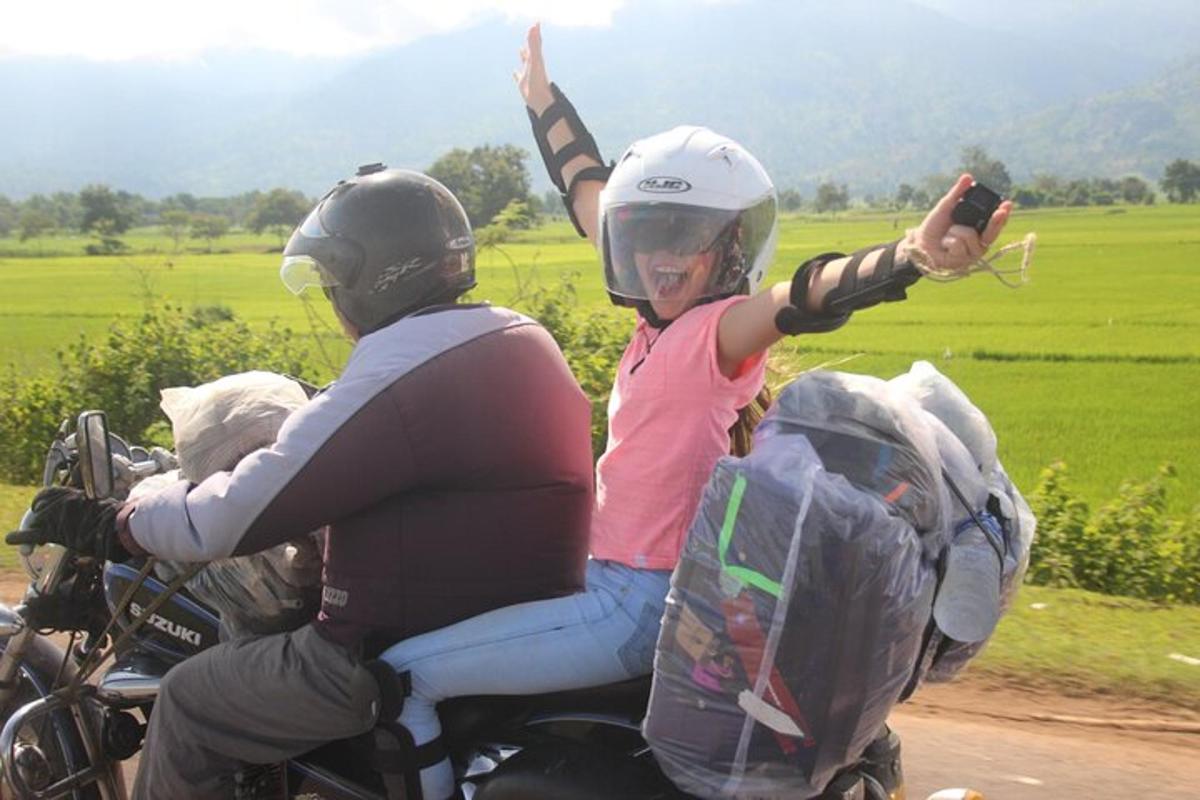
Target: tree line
x=106 y=214
x=1180 y=183
x=493 y=184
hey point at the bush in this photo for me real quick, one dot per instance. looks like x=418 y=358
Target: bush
x=1061 y=518
x=1129 y=546
x=592 y=343
x=1179 y=557
x=106 y=246
x=123 y=373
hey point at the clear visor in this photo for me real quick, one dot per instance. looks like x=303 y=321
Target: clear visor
x=300 y=272
x=664 y=251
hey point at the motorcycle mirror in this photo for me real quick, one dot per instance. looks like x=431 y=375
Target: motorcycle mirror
x=95 y=456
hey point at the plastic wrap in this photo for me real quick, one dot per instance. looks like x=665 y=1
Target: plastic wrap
x=798 y=609
x=825 y=576
x=879 y=440
x=1017 y=524
x=979 y=583
x=215 y=425
x=939 y=395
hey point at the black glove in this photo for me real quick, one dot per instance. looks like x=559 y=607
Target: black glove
x=69 y=517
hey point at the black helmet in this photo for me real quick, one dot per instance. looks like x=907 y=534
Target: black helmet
x=383 y=244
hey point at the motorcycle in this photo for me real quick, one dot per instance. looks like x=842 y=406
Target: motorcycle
x=68 y=725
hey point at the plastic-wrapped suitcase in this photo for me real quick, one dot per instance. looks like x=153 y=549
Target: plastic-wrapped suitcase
x=871 y=541
x=797 y=612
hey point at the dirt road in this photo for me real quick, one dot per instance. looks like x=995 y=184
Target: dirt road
x=998 y=739
x=1002 y=740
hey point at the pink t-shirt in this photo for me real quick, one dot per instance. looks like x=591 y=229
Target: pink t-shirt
x=668 y=422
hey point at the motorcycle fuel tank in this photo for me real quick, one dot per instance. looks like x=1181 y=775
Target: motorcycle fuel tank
x=180 y=628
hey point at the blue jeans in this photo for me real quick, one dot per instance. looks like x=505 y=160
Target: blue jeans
x=604 y=634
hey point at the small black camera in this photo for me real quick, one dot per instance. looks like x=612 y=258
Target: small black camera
x=975 y=207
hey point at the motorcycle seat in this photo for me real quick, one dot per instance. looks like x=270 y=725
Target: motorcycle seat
x=470 y=717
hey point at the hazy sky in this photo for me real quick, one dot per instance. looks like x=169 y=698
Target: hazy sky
x=172 y=29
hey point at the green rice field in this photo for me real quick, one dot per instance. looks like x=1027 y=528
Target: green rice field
x=1096 y=361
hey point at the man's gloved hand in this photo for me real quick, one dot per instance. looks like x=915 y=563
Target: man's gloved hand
x=69 y=517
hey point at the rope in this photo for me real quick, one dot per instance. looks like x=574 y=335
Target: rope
x=928 y=267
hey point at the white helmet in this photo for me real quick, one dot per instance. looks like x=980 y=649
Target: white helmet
x=686 y=191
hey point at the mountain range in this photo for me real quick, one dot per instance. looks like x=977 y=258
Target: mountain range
x=865 y=92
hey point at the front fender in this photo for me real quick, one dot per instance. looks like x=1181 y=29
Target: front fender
x=75 y=723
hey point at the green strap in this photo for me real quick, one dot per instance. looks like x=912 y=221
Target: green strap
x=743 y=574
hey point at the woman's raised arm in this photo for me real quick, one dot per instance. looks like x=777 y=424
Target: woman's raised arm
x=827 y=295
x=568 y=150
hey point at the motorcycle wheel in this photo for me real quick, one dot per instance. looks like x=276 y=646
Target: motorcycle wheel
x=567 y=770
x=50 y=747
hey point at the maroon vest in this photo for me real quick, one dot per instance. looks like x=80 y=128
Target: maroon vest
x=451 y=463
x=497 y=433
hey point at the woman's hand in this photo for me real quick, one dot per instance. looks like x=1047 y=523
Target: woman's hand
x=531 y=77
x=952 y=246
x=749 y=327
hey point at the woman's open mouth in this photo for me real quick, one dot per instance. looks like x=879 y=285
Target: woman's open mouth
x=668 y=282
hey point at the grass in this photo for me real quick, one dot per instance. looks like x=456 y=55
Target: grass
x=1094 y=362
x=138 y=240
x=1108 y=424
x=1085 y=643
x=13 y=502
x=1068 y=640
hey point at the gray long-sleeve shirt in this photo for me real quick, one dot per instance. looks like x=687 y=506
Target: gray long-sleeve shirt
x=451 y=461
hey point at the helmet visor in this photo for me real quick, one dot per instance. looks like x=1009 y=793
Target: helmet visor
x=655 y=251
x=300 y=272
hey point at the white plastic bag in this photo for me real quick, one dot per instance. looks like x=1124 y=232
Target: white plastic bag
x=989 y=542
x=215 y=425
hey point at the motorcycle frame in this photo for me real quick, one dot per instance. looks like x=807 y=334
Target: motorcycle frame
x=78 y=697
x=83 y=702
x=74 y=697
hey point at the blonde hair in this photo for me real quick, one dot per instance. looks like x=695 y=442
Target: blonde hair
x=741 y=434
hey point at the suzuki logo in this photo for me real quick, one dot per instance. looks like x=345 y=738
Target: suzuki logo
x=173 y=629
x=662 y=184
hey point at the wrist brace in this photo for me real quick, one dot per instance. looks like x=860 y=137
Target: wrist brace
x=581 y=145
x=886 y=283
x=795 y=317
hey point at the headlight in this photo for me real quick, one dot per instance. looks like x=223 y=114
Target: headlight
x=37 y=559
x=33 y=560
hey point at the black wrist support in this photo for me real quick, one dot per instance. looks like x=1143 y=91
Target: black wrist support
x=582 y=145
x=796 y=318
x=886 y=283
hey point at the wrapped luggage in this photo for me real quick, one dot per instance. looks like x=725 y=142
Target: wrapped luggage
x=990 y=542
x=798 y=607
x=803 y=606
x=214 y=426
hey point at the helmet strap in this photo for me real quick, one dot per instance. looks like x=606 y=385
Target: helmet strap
x=646 y=311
